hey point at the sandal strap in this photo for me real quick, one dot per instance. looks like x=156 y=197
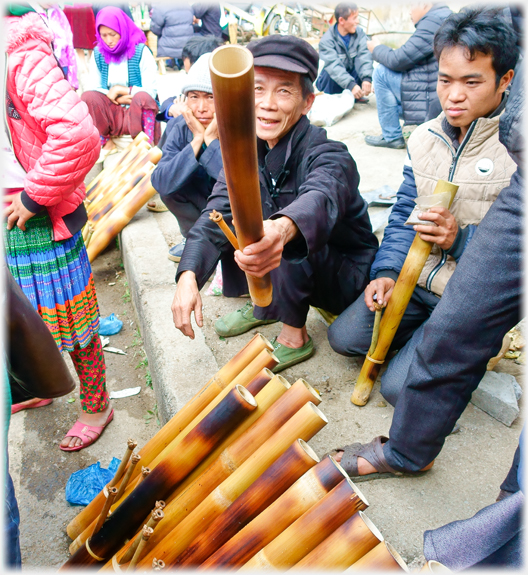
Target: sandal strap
x=373 y=453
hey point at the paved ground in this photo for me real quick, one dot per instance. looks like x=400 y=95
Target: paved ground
x=465 y=478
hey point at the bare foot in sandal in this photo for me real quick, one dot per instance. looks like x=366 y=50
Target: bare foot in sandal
x=90 y=419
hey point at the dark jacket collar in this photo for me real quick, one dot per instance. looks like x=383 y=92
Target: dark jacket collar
x=274 y=161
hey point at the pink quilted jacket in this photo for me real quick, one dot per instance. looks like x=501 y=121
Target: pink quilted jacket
x=53 y=134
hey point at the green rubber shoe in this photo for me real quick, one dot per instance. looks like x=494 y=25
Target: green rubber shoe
x=239 y=321
x=289 y=356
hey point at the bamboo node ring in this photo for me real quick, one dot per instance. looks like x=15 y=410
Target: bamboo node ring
x=91 y=552
x=115 y=564
x=378 y=361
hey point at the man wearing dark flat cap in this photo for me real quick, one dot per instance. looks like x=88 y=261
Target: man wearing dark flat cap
x=318 y=243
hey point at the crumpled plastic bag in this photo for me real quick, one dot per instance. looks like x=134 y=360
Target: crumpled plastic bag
x=217 y=284
x=328 y=109
x=110 y=325
x=85 y=484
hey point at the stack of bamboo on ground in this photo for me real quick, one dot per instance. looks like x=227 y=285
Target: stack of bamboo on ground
x=230 y=482
x=118 y=193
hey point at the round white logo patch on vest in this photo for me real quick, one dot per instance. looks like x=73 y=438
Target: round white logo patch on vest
x=484 y=167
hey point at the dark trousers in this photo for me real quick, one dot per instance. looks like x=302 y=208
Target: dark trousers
x=351 y=334
x=329 y=86
x=326 y=279
x=11 y=524
x=482 y=301
x=116 y=120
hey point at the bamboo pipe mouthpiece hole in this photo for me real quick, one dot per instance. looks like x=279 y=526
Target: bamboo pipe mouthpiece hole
x=311 y=389
x=269 y=373
x=265 y=341
x=246 y=395
x=339 y=468
x=309 y=451
x=160 y=504
x=360 y=495
x=437 y=567
x=397 y=557
x=231 y=61
x=284 y=381
x=371 y=526
x=318 y=411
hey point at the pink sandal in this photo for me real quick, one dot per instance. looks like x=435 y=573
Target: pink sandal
x=81 y=430
x=16 y=407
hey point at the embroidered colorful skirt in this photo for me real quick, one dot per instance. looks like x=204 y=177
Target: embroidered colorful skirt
x=57 y=279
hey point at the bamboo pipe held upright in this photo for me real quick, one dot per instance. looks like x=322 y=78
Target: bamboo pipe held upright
x=123 y=523
x=300 y=497
x=179 y=422
x=232 y=78
x=205 y=479
x=304 y=425
x=403 y=290
x=293 y=463
x=310 y=529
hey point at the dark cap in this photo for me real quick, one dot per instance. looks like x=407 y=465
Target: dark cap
x=285 y=53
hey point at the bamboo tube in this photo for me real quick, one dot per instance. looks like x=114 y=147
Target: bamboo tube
x=179 y=422
x=131 y=445
x=232 y=78
x=218 y=218
x=112 y=492
x=264 y=359
x=380 y=558
x=145 y=536
x=293 y=463
x=155 y=517
x=144 y=473
x=94 y=184
x=134 y=460
x=157 y=565
x=219 y=470
x=298 y=499
x=123 y=523
x=303 y=425
x=403 y=290
x=344 y=546
x=434 y=567
x=310 y=529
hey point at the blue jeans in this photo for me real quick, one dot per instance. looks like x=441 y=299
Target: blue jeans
x=11 y=530
x=481 y=302
x=387 y=86
x=329 y=86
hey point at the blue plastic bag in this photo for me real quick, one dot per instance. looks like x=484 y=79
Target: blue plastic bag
x=85 y=484
x=110 y=325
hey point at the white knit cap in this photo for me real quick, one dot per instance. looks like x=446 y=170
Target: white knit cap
x=199 y=78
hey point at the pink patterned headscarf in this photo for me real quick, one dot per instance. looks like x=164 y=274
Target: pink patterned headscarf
x=131 y=35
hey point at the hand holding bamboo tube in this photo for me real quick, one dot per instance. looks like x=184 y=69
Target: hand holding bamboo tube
x=402 y=292
x=179 y=422
x=232 y=78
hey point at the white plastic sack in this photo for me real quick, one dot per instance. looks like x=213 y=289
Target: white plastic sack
x=330 y=108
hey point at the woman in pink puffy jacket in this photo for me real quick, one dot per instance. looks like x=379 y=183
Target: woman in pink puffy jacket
x=50 y=144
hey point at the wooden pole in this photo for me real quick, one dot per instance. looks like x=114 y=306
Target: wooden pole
x=298 y=499
x=232 y=78
x=293 y=463
x=179 y=422
x=310 y=529
x=304 y=425
x=348 y=543
x=209 y=474
x=403 y=290
x=381 y=558
x=123 y=523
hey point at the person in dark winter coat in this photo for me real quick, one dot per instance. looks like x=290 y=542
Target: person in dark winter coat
x=209 y=14
x=347 y=61
x=318 y=242
x=173 y=25
x=405 y=81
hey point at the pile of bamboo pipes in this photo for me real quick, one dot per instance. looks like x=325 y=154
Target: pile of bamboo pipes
x=118 y=193
x=230 y=482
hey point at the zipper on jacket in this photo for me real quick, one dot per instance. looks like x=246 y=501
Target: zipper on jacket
x=452 y=169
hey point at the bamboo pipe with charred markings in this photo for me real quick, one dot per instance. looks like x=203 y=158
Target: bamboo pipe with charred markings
x=179 y=422
x=298 y=499
x=348 y=543
x=310 y=529
x=155 y=517
x=303 y=425
x=403 y=290
x=123 y=523
x=381 y=558
x=232 y=78
x=291 y=465
x=221 y=467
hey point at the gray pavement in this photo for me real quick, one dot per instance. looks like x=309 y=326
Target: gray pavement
x=473 y=463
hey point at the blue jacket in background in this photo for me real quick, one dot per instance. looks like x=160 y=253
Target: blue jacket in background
x=209 y=14
x=173 y=26
x=416 y=61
